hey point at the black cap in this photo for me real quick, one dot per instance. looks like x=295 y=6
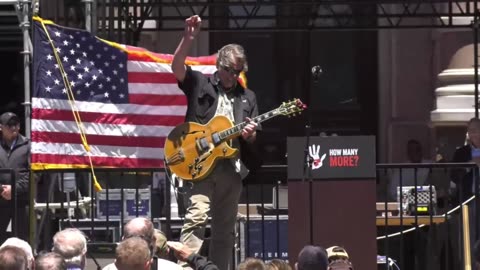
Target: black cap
x=9 y=118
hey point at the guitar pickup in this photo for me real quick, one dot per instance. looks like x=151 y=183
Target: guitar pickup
x=216 y=139
x=202 y=145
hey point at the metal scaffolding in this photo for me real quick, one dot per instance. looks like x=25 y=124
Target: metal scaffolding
x=301 y=15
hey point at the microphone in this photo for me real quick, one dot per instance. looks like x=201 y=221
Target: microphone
x=316 y=72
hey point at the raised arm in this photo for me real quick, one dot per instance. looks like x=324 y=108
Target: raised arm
x=192 y=27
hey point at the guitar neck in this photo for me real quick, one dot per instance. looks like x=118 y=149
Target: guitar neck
x=236 y=130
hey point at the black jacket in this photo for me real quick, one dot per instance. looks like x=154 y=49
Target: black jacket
x=198 y=262
x=17 y=158
x=463 y=178
x=202 y=96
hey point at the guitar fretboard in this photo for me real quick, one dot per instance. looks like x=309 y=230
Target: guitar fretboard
x=235 y=130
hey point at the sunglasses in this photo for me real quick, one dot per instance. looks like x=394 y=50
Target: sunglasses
x=232 y=71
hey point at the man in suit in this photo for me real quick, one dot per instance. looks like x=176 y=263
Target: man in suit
x=464 y=179
x=218 y=194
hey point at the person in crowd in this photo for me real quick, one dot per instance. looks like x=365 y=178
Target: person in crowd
x=252 y=264
x=221 y=94
x=464 y=178
x=312 y=258
x=143 y=228
x=17 y=242
x=338 y=259
x=277 y=264
x=50 y=261
x=71 y=244
x=133 y=253
x=13 y=258
x=14 y=154
x=194 y=260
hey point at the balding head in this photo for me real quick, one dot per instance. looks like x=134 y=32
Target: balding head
x=139 y=227
x=71 y=244
x=13 y=258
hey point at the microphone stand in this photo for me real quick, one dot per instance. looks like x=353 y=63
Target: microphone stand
x=308 y=160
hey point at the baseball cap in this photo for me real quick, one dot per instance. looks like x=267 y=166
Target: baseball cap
x=312 y=258
x=9 y=118
x=337 y=252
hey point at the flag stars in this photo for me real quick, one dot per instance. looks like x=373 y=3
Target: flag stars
x=72 y=83
x=106 y=64
x=92 y=63
x=70 y=36
x=49 y=57
x=57 y=34
x=77 y=45
x=115 y=72
x=64 y=91
x=83 y=38
x=92 y=93
x=78 y=61
x=98 y=55
x=49 y=73
x=86 y=69
x=100 y=86
x=59 y=50
x=106 y=94
x=105 y=48
x=65 y=42
x=72 y=68
x=57 y=82
x=121 y=95
x=114 y=56
x=48 y=89
x=90 y=47
x=108 y=79
x=120 y=65
x=65 y=59
x=94 y=77
x=114 y=87
x=100 y=71
x=87 y=84
x=122 y=80
x=79 y=92
x=84 y=54
x=79 y=76
x=56 y=66
x=72 y=52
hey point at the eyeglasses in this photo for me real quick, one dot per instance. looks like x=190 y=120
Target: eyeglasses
x=232 y=71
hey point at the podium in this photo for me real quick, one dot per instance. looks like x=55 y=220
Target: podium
x=333 y=201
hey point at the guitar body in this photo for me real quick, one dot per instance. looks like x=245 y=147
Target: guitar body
x=190 y=149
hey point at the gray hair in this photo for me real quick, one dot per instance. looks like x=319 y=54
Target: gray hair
x=71 y=244
x=50 y=261
x=23 y=245
x=231 y=53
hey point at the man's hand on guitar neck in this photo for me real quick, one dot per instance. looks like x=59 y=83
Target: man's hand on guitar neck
x=249 y=131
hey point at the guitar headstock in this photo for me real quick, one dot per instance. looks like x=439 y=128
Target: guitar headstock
x=292 y=107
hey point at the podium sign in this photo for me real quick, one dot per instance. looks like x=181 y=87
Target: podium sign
x=333 y=157
x=341 y=196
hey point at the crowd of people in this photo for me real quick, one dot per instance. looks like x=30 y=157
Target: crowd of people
x=143 y=247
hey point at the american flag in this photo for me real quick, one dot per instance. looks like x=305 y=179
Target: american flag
x=127 y=98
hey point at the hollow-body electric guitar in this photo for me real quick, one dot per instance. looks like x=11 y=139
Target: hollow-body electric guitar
x=191 y=149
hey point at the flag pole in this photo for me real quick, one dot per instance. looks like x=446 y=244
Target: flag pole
x=24 y=6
